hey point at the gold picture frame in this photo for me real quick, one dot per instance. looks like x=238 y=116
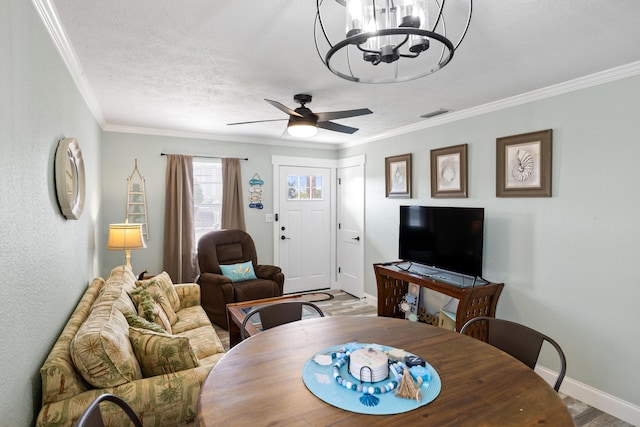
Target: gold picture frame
x=523 y=165
x=397 y=171
x=449 y=172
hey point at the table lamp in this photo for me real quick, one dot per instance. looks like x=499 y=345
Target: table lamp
x=125 y=237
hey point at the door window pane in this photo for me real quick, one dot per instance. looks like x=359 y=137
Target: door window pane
x=304 y=187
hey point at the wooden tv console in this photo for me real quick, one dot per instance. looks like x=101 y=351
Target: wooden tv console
x=479 y=299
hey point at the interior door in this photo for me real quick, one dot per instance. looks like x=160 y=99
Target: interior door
x=304 y=226
x=351 y=229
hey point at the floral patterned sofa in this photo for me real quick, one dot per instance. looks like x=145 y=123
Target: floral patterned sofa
x=149 y=342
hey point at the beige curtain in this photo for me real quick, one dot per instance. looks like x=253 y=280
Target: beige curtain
x=232 y=207
x=179 y=253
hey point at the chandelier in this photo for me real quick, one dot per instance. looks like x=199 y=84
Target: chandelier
x=389 y=41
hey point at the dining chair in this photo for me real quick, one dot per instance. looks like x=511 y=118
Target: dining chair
x=277 y=314
x=92 y=416
x=518 y=340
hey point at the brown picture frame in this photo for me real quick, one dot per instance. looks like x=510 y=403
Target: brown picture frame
x=523 y=164
x=397 y=171
x=449 y=172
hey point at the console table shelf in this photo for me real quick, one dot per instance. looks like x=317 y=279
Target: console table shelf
x=474 y=301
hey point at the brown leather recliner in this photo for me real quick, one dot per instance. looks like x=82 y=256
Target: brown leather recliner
x=216 y=291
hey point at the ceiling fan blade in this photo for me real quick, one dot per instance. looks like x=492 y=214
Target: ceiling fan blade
x=332 y=115
x=336 y=127
x=283 y=108
x=256 y=121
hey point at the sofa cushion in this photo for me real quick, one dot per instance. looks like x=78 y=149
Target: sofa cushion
x=159 y=297
x=164 y=280
x=190 y=318
x=101 y=350
x=204 y=341
x=160 y=354
x=239 y=272
x=140 y=322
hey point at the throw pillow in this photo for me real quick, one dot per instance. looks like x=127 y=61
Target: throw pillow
x=101 y=349
x=154 y=289
x=239 y=272
x=142 y=323
x=164 y=280
x=160 y=354
x=152 y=311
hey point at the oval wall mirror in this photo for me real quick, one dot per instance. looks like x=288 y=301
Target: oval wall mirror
x=69 y=171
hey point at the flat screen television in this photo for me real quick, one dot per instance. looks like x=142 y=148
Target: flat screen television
x=448 y=238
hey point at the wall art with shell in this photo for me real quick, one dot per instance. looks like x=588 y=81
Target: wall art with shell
x=523 y=165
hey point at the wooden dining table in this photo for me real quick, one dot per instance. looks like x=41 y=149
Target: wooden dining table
x=259 y=382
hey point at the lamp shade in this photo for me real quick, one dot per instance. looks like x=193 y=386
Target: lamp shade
x=125 y=237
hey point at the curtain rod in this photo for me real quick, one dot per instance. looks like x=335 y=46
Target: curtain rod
x=208 y=157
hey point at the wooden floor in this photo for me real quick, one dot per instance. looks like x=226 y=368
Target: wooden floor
x=343 y=304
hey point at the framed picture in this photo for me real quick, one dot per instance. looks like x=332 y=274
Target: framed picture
x=449 y=172
x=523 y=165
x=397 y=170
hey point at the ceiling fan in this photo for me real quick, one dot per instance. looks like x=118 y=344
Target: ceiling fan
x=304 y=123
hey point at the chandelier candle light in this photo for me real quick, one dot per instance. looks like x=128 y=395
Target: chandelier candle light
x=382 y=32
x=126 y=237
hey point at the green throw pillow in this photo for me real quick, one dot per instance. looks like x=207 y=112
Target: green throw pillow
x=239 y=272
x=160 y=354
x=140 y=322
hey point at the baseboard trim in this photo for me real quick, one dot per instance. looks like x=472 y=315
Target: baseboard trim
x=371 y=299
x=593 y=397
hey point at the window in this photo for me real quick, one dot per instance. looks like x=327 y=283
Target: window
x=207 y=195
x=304 y=187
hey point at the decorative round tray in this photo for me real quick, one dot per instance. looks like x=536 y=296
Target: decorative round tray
x=319 y=380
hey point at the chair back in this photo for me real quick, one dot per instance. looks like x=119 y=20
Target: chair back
x=518 y=340
x=92 y=416
x=225 y=247
x=277 y=314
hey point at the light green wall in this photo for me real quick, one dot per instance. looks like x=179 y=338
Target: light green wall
x=568 y=262
x=46 y=261
x=119 y=151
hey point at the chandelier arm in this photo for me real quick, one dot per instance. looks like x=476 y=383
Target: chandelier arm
x=402 y=43
x=440 y=12
x=444 y=28
x=466 y=28
x=315 y=30
x=405 y=55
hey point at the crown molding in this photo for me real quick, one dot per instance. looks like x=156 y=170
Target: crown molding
x=49 y=16
x=580 y=83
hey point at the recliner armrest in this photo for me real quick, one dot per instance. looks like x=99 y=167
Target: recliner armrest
x=267 y=271
x=213 y=279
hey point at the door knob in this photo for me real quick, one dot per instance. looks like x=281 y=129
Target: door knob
x=356 y=238
x=285 y=238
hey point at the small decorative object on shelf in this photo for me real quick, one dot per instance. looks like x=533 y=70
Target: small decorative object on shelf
x=409 y=303
x=255 y=190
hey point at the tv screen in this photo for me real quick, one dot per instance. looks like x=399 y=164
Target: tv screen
x=449 y=238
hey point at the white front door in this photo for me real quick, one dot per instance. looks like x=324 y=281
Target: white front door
x=304 y=227
x=351 y=229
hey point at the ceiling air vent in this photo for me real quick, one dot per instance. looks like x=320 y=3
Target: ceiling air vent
x=434 y=113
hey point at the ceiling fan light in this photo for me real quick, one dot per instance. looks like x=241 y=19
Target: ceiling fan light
x=302 y=130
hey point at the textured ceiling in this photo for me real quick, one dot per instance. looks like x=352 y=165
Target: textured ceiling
x=192 y=66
